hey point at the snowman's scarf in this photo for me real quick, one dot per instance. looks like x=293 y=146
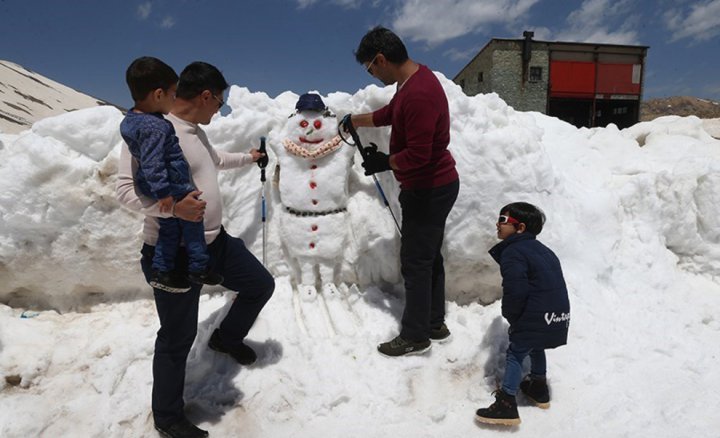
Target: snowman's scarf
x=326 y=149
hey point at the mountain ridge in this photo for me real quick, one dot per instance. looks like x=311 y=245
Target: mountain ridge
x=27 y=96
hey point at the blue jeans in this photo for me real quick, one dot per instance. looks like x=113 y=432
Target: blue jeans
x=178 y=313
x=513 y=366
x=169 y=235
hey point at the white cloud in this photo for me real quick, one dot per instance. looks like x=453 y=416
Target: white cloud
x=143 y=11
x=350 y=4
x=438 y=21
x=700 y=23
x=592 y=21
x=167 y=22
x=305 y=3
x=461 y=55
x=540 y=33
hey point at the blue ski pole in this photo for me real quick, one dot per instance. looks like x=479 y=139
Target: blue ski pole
x=262 y=163
x=347 y=125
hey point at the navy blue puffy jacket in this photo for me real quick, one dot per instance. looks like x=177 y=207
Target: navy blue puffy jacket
x=535 y=299
x=162 y=169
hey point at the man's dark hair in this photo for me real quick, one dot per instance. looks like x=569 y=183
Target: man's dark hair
x=147 y=74
x=381 y=40
x=198 y=77
x=531 y=216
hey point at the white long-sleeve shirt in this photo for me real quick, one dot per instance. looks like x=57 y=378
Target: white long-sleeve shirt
x=204 y=163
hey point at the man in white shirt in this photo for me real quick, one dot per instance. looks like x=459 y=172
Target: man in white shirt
x=199 y=96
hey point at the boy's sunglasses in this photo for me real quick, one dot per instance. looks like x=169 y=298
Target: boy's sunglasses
x=502 y=219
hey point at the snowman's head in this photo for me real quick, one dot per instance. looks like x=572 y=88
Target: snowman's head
x=311 y=129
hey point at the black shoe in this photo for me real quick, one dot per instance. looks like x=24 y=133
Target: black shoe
x=169 y=282
x=207 y=277
x=441 y=334
x=181 y=429
x=403 y=347
x=242 y=353
x=536 y=390
x=503 y=411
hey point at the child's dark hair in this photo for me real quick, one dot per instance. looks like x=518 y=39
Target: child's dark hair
x=147 y=74
x=198 y=77
x=381 y=40
x=531 y=216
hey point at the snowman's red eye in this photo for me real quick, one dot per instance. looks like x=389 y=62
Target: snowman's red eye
x=317 y=124
x=304 y=124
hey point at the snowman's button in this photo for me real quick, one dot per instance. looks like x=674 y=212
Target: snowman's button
x=313 y=184
x=312 y=245
x=314 y=166
x=314 y=227
x=315 y=202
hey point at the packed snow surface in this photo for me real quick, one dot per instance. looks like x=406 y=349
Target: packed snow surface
x=630 y=213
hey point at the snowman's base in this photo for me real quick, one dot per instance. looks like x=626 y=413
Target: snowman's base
x=327 y=313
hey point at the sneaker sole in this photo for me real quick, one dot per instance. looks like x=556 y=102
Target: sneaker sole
x=444 y=340
x=498 y=421
x=541 y=405
x=411 y=353
x=174 y=290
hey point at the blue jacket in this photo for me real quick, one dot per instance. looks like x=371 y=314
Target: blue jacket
x=535 y=298
x=162 y=168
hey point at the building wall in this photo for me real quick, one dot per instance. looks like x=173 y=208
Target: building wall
x=500 y=64
x=590 y=85
x=507 y=79
x=469 y=79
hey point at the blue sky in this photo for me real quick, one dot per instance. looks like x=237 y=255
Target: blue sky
x=301 y=45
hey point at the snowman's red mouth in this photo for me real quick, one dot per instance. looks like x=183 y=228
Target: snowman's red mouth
x=305 y=140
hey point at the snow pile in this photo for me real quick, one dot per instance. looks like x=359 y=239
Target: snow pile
x=629 y=214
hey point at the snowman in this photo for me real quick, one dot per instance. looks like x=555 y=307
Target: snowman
x=313 y=188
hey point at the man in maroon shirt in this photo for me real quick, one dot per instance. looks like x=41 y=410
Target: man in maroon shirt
x=429 y=184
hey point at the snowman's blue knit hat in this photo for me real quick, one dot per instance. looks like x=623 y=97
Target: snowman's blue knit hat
x=310 y=102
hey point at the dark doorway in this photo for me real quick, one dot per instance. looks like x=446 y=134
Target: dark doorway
x=575 y=111
x=623 y=113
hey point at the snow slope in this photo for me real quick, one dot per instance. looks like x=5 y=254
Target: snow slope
x=26 y=97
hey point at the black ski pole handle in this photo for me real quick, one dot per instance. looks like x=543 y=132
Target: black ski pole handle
x=346 y=124
x=262 y=161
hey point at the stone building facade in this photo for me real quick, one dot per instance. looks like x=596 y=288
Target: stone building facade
x=585 y=84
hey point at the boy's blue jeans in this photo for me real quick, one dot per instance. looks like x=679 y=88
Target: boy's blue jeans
x=166 y=248
x=513 y=366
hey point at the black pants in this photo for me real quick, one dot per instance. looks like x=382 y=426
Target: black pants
x=178 y=314
x=424 y=213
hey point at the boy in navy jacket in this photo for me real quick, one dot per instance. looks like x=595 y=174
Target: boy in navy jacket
x=163 y=173
x=535 y=303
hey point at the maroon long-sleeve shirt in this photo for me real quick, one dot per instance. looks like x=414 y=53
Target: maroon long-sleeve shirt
x=420 y=134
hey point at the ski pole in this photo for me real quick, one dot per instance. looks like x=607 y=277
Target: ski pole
x=262 y=163
x=347 y=124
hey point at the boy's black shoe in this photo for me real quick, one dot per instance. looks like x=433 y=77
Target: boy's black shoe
x=403 y=347
x=503 y=411
x=207 y=277
x=181 y=429
x=441 y=334
x=242 y=353
x=169 y=282
x=536 y=390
